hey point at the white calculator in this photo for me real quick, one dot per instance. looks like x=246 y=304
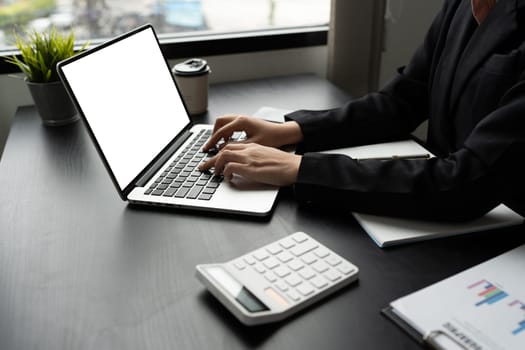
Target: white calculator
x=277 y=280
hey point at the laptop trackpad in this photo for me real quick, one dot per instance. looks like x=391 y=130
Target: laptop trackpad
x=243 y=184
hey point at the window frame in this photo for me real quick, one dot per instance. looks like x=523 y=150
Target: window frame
x=212 y=44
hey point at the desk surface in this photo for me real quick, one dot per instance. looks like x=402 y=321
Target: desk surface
x=79 y=269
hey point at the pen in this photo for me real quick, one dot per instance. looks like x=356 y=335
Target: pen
x=407 y=156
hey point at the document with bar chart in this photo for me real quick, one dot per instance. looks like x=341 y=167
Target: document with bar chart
x=480 y=308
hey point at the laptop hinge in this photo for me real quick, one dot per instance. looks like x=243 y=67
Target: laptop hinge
x=143 y=180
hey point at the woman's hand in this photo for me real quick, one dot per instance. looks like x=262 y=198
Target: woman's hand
x=255 y=162
x=257 y=131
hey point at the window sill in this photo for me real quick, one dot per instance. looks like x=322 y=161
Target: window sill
x=182 y=46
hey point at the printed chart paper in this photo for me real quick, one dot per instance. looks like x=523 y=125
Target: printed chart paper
x=481 y=308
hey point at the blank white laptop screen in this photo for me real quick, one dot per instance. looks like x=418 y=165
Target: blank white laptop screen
x=132 y=105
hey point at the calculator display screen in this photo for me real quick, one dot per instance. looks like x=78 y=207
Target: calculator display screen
x=243 y=296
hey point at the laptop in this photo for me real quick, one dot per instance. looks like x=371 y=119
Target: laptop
x=134 y=113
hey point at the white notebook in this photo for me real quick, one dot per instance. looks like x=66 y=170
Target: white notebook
x=387 y=231
x=480 y=308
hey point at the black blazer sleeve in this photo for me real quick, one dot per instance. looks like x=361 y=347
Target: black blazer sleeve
x=392 y=113
x=461 y=185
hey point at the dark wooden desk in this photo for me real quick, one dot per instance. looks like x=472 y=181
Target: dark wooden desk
x=79 y=269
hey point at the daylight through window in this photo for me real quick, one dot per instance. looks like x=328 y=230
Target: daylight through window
x=101 y=19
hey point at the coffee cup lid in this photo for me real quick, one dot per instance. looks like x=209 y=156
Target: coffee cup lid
x=193 y=66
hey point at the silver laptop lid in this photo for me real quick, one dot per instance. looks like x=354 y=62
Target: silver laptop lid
x=128 y=98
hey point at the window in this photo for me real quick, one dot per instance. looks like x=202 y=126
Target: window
x=99 y=19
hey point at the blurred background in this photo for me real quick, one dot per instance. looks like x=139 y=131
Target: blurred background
x=99 y=19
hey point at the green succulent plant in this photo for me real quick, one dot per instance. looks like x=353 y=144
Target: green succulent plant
x=41 y=51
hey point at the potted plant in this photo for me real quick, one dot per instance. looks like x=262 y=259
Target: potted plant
x=39 y=54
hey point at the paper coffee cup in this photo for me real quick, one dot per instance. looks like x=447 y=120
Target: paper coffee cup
x=192 y=78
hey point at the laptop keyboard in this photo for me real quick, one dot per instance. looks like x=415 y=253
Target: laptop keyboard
x=182 y=178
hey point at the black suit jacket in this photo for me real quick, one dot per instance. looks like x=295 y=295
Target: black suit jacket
x=469 y=82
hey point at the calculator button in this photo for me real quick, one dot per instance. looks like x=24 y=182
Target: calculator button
x=239 y=264
x=287 y=243
x=332 y=275
x=284 y=256
x=345 y=268
x=305 y=289
x=272 y=293
x=303 y=248
x=320 y=266
x=319 y=282
x=296 y=265
x=322 y=252
x=274 y=249
x=270 y=277
x=259 y=268
x=282 y=286
x=249 y=260
x=309 y=258
x=300 y=237
x=333 y=260
x=271 y=263
x=293 y=295
x=293 y=280
x=307 y=273
x=282 y=271
x=261 y=255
